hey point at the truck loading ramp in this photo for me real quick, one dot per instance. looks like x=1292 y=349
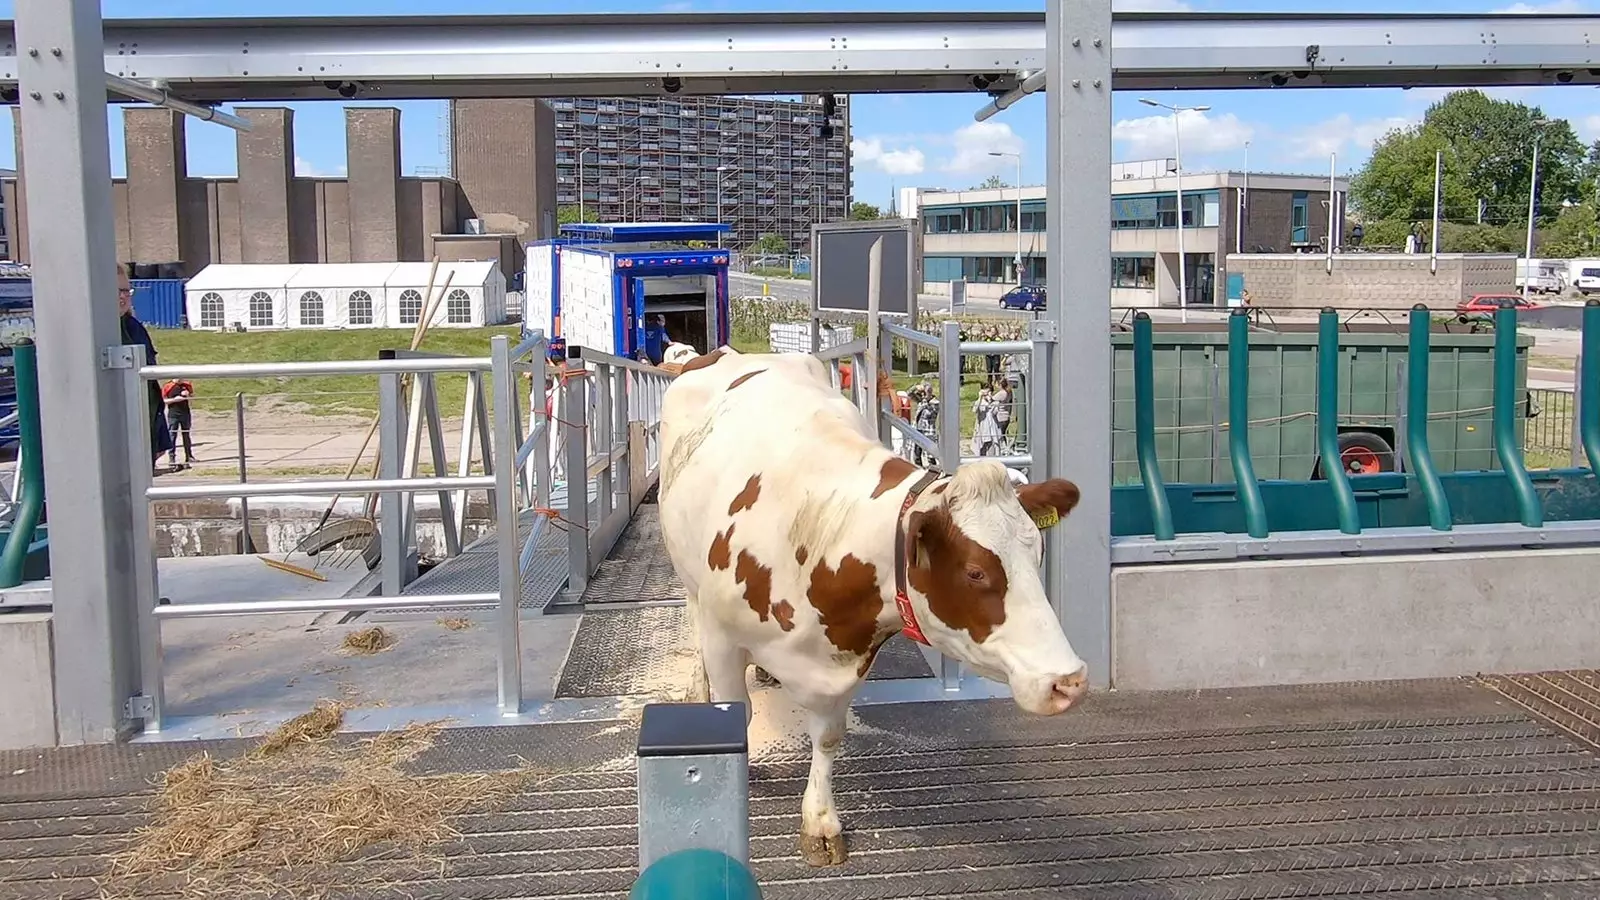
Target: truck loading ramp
x=1436 y=789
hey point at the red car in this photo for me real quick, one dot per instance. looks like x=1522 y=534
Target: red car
x=1488 y=303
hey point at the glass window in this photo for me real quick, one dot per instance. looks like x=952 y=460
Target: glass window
x=941 y=268
x=211 y=310
x=1133 y=272
x=311 y=308
x=261 y=310
x=410 y=307
x=458 y=308
x=360 y=308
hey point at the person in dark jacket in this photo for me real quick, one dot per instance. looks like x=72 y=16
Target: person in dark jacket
x=134 y=332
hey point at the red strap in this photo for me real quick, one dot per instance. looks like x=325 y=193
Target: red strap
x=908 y=618
x=902 y=600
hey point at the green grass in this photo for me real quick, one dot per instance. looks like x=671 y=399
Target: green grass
x=318 y=395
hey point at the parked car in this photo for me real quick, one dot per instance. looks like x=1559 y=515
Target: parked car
x=1026 y=296
x=1482 y=304
x=1588 y=281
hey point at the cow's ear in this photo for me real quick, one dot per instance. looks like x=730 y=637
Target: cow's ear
x=1048 y=502
x=925 y=535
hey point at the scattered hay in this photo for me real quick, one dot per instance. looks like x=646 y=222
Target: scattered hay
x=456 y=624
x=367 y=641
x=289 y=817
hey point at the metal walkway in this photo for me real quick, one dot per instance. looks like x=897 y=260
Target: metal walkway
x=1411 y=790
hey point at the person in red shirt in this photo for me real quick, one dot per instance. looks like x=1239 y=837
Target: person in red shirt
x=180 y=421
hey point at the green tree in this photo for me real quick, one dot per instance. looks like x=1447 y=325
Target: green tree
x=1575 y=233
x=1487 y=146
x=770 y=244
x=993 y=182
x=864 y=211
x=568 y=215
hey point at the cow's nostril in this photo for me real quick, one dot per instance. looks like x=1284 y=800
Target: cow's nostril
x=1076 y=681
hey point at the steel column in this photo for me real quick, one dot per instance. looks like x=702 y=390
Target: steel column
x=150 y=699
x=508 y=619
x=391 y=504
x=59 y=61
x=1078 y=551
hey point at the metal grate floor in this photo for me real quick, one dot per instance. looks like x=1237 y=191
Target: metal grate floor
x=638 y=569
x=1419 y=791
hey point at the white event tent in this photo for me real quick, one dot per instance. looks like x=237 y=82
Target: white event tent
x=343 y=295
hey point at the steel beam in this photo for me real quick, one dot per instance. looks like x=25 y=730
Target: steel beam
x=1078 y=368
x=88 y=439
x=398 y=58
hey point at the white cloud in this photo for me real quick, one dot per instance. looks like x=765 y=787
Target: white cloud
x=975 y=141
x=1152 y=137
x=1588 y=129
x=1340 y=134
x=1551 y=6
x=306 y=169
x=903 y=161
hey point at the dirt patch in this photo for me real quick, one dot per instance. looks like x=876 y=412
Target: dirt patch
x=456 y=624
x=280 y=820
x=367 y=642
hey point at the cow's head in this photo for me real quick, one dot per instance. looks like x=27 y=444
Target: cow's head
x=973 y=550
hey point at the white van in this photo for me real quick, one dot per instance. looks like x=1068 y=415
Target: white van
x=1588 y=280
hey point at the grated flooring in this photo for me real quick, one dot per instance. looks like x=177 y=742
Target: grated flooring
x=1419 y=791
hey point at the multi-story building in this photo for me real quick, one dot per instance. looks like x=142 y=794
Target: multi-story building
x=973 y=235
x=759 y=165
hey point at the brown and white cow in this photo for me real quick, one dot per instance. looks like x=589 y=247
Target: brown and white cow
x=804 y=544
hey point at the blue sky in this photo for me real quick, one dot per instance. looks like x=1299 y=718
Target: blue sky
x=925 y=140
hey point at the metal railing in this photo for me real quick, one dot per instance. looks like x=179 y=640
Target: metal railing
x=395 y=485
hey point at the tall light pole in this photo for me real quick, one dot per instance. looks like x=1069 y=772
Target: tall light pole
x=1244 y=200
x=1177 y=155
x=581 y=153
x=1533 y=201
x=720 y=170
x=1018 y=155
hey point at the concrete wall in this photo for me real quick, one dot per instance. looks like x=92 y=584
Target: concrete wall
x=1239 y=624
x=372 y=137
x=1372 y=280
x=157 y=163
x=499 y=146
x=27 y=670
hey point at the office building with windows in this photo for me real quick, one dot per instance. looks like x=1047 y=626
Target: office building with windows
x=973 y=235
x=759 y=165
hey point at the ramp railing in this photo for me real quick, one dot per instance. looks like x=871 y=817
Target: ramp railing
x=394 y=486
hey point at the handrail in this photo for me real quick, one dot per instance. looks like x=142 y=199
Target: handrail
x=1506 y=445
x=1589 y=385
x=911 y=434
x=910 y=334
x=225 y=490
x=316 y=367
x=1419 y=456
x=1344 y=499
x=994 y=348
x=1244 y=472
x=30 y=506
x=1144 y=417
x=841 y=351
x=621 y=362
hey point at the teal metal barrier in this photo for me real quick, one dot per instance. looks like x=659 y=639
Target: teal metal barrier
x=1506 y=444
x=1244 y=472
x=696 y=875
x=1589 y=388
x=1419 y=459
x=1344 y=498
x=30 y=506
x=1144 y=418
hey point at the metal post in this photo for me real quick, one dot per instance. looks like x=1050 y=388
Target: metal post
x=575 y=416
x=441 y=468
x=950 y=371
x=539 y=412
x=622 y=481
x=694 y=781
x=1078 y=551
x=1533 y=201
x=604 y=439
x=1244 y=470
x=1506 y=445
x=1344 y=500
x=866 y=375
x=1333 y=207
x=391 y=504
x=1144 y=427
x=60 y=66
x=1438 y=185
x=149 y=701
x=508 y=612
x=1418 y=454
x=1587 y=378
x=1183 y=267
x=247 y=543
x=1238 y=230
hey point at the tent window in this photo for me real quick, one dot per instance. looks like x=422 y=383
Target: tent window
x=311 y=308
x=360 y=308
x=458 y=308
x=261 y=310
x=211 y=310
x=410 y=307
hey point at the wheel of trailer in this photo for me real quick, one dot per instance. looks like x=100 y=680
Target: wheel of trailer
x=1365 y=453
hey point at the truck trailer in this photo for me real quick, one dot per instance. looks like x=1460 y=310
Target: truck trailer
x=629 y=289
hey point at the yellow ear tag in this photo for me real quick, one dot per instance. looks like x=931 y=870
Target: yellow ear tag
x=1046 y=517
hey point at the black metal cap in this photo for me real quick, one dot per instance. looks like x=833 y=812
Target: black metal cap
x=692 y=729
x=1141 y=315
x=388 y=354
x=1419 y=306
x=576 y=352
x=1239 y=311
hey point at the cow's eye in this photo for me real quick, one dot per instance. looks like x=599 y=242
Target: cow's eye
x=976 y=575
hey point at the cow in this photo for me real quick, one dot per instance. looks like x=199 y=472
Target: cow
x=803 y=544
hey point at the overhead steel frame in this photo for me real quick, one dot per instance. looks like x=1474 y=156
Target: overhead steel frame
x=62 y=52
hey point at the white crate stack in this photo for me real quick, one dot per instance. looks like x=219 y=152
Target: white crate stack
x=795 y=337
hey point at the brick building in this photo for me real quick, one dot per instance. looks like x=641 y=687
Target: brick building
x=505 y=180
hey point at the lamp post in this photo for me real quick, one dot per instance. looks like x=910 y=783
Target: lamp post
x=1244 y=201
x=581 y=217
x=720 y=170
x=1018 y=155
x=1533 y=201
x=1177 y=154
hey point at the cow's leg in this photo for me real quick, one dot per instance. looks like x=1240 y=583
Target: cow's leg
x=821 y=835
x=724 y=670
x=699 y=686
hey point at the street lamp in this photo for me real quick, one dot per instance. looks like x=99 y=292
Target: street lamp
x=1018 y=155
x=1177 y=155
x=581 y=183
x=720 y=170
x=1533 y=200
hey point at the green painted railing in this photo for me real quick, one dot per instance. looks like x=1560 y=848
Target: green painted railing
x=1144 y=417
x=1244 y=470
x=1328 y=422
x=1506 y=444
x=1419 y=459
x=30 y=506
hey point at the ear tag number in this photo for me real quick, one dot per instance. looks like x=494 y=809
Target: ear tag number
x=1046 y=517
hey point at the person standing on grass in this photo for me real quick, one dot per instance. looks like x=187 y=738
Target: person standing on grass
x=180 y=420
x=134 y=333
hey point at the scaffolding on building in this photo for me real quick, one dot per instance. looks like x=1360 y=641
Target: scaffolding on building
x=759 y=165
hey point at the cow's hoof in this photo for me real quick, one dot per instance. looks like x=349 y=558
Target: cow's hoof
x=820 y=850
x=766 y=679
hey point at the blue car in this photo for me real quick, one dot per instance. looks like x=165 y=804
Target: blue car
x=1027 y=296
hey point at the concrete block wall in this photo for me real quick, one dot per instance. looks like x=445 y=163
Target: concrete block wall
x=157 y=164
x=266 y=168
x=499 y=149
x=372 y=139
x=1374 y=281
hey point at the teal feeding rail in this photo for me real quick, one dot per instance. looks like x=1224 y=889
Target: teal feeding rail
x=23 y=550
x=1244 y=471
x=1506 y=444
x=1589 y=389
x=1419 y=457
x=1344 y=499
